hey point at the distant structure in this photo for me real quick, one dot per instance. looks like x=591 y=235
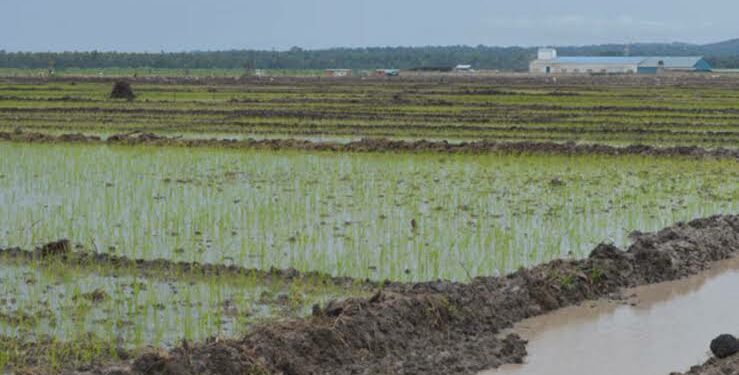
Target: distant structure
x=548 y=62
x=338 y=72
x=463 y=68
x=387 y=72
x=547 y=54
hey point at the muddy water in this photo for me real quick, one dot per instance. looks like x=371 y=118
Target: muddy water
x=663 y=328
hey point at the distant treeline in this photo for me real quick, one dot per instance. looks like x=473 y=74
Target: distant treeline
x=296 y=58
x=721 y=55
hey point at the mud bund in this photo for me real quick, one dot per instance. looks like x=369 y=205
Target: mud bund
x=375 y=145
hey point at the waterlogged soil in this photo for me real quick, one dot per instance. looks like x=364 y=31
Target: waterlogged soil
x=375 y=145
x=634 y=336
x=446 y=327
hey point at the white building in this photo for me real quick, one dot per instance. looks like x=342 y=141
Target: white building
x=548 y=62
x=463 y=68
x=547 y=54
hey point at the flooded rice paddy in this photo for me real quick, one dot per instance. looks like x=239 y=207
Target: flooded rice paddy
x=134 y=308
x=667 y=329
x=403 y=217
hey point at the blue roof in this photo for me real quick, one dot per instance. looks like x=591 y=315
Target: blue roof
x=672 y=62
x=668 y=62
x=599 y=60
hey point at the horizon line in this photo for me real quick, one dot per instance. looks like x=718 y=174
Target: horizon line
x=372 y=47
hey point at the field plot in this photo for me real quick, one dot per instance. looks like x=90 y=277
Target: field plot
x=381 y=216
x=698 y=111
x=132 y=308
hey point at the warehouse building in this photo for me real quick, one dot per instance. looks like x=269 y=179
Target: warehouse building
x=548 y=62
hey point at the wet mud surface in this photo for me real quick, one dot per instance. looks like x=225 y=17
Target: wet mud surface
x=375 y=145
x=445 y=327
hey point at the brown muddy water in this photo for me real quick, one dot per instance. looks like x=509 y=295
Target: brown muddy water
x=662 y=328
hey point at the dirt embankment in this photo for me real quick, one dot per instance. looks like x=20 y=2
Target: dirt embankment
x=445 y=327
x=375 y=145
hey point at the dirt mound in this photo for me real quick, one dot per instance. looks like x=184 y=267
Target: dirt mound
x=135 y=138
x=33 y=137
x=122 y=90
x=78 y=138
x=213 y=357
x=444 y=327
x=388 y=333
x=57 y=248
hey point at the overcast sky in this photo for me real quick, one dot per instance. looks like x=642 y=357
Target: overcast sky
x=183 y=25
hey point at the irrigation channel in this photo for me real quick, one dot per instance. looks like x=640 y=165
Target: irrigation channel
x=661 y=328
